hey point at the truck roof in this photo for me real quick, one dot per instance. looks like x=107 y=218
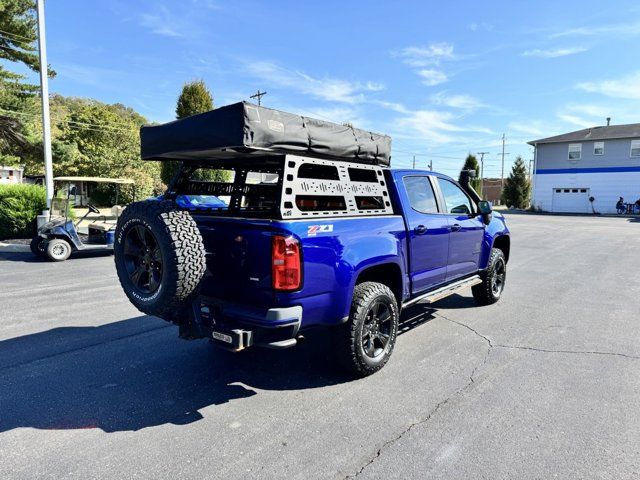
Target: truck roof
x=417 y=171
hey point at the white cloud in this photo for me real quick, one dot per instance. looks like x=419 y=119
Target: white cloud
x=619 y=29
x=554 y=52
x=575 y=120
x=326 y=88
x=161 y=23
x=431 y=77
x=433 y=126
x=427 y=55
x=396 y=107
x=526 y=128
x=429 y=125
x=464 y=102
x=474 y=27
x=624 y=87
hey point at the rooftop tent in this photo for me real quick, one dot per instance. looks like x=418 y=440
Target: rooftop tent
x=243 y=129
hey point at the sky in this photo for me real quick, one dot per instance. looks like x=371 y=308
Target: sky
x=442 y=78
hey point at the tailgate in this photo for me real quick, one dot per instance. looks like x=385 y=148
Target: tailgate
x=238 y=259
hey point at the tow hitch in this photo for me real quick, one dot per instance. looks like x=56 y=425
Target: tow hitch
x=234 y=340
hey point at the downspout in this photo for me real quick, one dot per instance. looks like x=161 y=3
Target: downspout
x=533 y=175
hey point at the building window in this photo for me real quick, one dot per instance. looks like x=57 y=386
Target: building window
x=598 y=148
x=575 y=151
x=635 y=148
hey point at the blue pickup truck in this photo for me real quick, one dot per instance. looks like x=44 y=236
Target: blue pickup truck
x=290 y=242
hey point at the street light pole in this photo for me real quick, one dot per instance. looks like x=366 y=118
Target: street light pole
x=44 y=92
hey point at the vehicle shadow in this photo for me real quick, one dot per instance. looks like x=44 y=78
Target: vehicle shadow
x=136 y=373
x=28 y=257
x=25 y=257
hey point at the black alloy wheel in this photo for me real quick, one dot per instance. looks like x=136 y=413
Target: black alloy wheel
x=376 y=330
x=498 y=278
x=143 y=259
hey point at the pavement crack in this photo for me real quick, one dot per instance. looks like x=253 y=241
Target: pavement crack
x=438 y=406
x=405 y=431
x=534 y=349
x=572 y=352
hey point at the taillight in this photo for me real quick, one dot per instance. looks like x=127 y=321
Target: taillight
x=285 y=261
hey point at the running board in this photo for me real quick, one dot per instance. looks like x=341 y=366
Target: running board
x=445 y=291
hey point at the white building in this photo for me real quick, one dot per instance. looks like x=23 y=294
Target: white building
x=10 y=174
x=599 y=163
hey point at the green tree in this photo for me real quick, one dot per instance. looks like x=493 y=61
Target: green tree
x=516 y=187
x=195 y=98
x=18 y=35
x=471 y=163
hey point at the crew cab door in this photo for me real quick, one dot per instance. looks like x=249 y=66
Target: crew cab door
x=428 y=233
x=466 y=230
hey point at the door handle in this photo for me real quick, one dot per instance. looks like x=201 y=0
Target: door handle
x=420 y=229
x=455 y=227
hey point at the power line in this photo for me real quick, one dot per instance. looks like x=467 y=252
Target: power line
x=94 y=126
x=17 y=36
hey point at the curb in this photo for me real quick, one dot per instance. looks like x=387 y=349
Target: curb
x=14 y=247
x=569 y=214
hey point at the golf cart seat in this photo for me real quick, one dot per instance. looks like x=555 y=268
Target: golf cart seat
x=105 y=226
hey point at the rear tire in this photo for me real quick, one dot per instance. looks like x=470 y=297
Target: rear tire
x=493 y=280
x=365 y=342
x=160 y=258
x=38 y=246
x=58 y=250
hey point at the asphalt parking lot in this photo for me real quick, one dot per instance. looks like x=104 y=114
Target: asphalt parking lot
x=544 y=384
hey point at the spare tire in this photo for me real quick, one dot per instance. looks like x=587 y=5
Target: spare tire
x=160 y=257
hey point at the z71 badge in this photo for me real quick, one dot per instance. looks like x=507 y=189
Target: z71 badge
x=313 y=230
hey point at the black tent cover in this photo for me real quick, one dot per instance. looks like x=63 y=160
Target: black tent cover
x=243 y=129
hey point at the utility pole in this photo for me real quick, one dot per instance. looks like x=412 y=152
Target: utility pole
x=259 y=96
x=414 y=162
x=431 y=165
x=482 y=154
x=503 y=154
x=44 y=92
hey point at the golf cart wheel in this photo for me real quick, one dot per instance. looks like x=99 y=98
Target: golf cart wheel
x=367 y=339
x=58 y=250
x=493 y=280
x=160 y=258
x=38 y=246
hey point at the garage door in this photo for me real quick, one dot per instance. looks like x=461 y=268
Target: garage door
x=571 y=200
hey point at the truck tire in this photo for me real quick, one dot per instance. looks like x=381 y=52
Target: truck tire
x=159 y=257
x=365 y=342
x=493 y=279
x=58 y=250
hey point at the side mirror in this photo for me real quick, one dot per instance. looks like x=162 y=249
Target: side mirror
x=485 y=209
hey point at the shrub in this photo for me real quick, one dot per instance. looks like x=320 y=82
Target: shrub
x=19 y=207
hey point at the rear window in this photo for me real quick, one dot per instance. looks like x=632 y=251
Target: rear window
x=234 y=190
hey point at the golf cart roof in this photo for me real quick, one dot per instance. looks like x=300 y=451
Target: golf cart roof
x=127 y=181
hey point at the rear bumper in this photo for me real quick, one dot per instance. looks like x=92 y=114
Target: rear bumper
x=247 y=326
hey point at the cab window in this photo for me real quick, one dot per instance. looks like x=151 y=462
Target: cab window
x=456 y=201
x=420 y=193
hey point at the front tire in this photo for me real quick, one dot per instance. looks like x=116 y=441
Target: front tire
x=493 y=280
x=365 y=342
x=58 y=250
